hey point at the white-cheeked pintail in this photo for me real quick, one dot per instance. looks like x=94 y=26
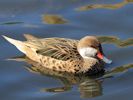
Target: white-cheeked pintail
x=62 y=54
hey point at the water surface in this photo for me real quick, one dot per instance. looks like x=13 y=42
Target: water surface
x=111 y=19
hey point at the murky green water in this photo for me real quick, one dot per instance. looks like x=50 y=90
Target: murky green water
x=110 y=20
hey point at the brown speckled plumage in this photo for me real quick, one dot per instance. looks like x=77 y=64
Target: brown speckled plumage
x=59 y=54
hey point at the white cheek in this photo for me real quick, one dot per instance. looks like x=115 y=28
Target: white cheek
x=87 y=52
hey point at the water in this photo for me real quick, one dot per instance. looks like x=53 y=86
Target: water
x=19 y=17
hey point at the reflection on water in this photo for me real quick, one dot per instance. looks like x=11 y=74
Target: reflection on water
x=117 y=70
x=89 y=86
x=53 y=19
x=105 y=6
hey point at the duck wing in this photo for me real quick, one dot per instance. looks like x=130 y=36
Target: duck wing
x=56 y=49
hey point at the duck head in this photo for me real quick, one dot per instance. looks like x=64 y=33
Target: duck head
x=89 y=46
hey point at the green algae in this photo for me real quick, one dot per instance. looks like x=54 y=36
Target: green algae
x=116 y=41
x=53 y=19
x=104 y=6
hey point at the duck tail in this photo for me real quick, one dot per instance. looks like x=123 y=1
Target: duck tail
x=19 y=44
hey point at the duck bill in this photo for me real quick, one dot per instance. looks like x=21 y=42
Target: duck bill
x=102 y=57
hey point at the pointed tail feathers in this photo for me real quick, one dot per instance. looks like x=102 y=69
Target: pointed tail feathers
x=19 y=44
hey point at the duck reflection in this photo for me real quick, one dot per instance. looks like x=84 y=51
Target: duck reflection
x=88 y=86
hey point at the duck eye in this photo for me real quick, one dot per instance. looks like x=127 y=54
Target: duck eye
x=93 y=46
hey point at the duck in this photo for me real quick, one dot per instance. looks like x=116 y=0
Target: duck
x=64 y=54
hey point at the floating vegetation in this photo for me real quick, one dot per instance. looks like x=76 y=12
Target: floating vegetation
x=129 y=1
x=115 y=40
x=11 y=23
x=128 y=42
x=53 y=19
x=105 y=6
